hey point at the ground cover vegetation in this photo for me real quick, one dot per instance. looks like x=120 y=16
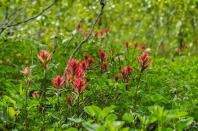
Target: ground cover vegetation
x=99 y=65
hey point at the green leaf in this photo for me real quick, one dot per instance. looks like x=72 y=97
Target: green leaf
x=76 y=120
x=93 y=110
x=90 y=127
x=111 y=117
x=11 y=112
x=128 y=117
x=101 y=128
x=118 y=124
x=72 y=129
x=107 y=110
x=184 y=123
x=176 y=114
x=125 y=129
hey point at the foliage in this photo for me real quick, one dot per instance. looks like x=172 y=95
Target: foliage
x=137 y=71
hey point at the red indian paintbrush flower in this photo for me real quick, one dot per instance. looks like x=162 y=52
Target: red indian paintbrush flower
x=88 y=58
x=127 y=44
x=102 y=55
x=84 y=65
x=135 y=44
x=35 y=94
x=73 y=65
x=103 y=66
x=143 y=60
x=142 y=48
x=26 y=71
x=79 y=27
x=116 y=77
x=106 y=30
x=69 y=100
x=79 y=84
x=126 y=72
x=98 y=34
x=79 y=72
x=44 y=56
x=68 y=75
x=58 y=81
x=86 y=55
x=196 y=41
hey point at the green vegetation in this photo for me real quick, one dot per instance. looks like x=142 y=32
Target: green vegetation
x=99 y=65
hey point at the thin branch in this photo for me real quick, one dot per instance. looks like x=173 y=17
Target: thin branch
x=28 y=19
x=102 y=3
x=17 y=13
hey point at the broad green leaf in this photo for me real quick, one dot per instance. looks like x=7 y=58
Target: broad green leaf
x=128 y=117
x=90 y=127
x=76 y=120
x=90 y=110
x=11 y=112
x=93 y=110
x=111 y=117
x=107 y=110
x=118 y=124
x=176 y=114
x=72 y=129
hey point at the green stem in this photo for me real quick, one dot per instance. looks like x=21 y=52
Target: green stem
x=58 y=107
x=78 y=105
x=42 y=103
x=136 y=90
x=26 y=105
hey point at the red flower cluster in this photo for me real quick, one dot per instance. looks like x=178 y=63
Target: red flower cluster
x=79 y=84
x=73 y=65
x=126 y=72
x=103 y=62
x=88 y=58
x=76 y=71
x=79 y=72
x=76 y=68
x=143 y=60
x=44 y=57
x=84 y=64
x=58 y=81
x=102 y=32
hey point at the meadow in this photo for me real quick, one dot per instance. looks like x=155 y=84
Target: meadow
x=99 y=65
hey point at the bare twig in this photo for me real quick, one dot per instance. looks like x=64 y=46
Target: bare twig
x=28 y=19
x=17 y=13
x=102 y=3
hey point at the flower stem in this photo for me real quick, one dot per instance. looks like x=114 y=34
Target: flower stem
x=26 y=105
x=42 y=102
x=78 y=105
x=136 y=90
